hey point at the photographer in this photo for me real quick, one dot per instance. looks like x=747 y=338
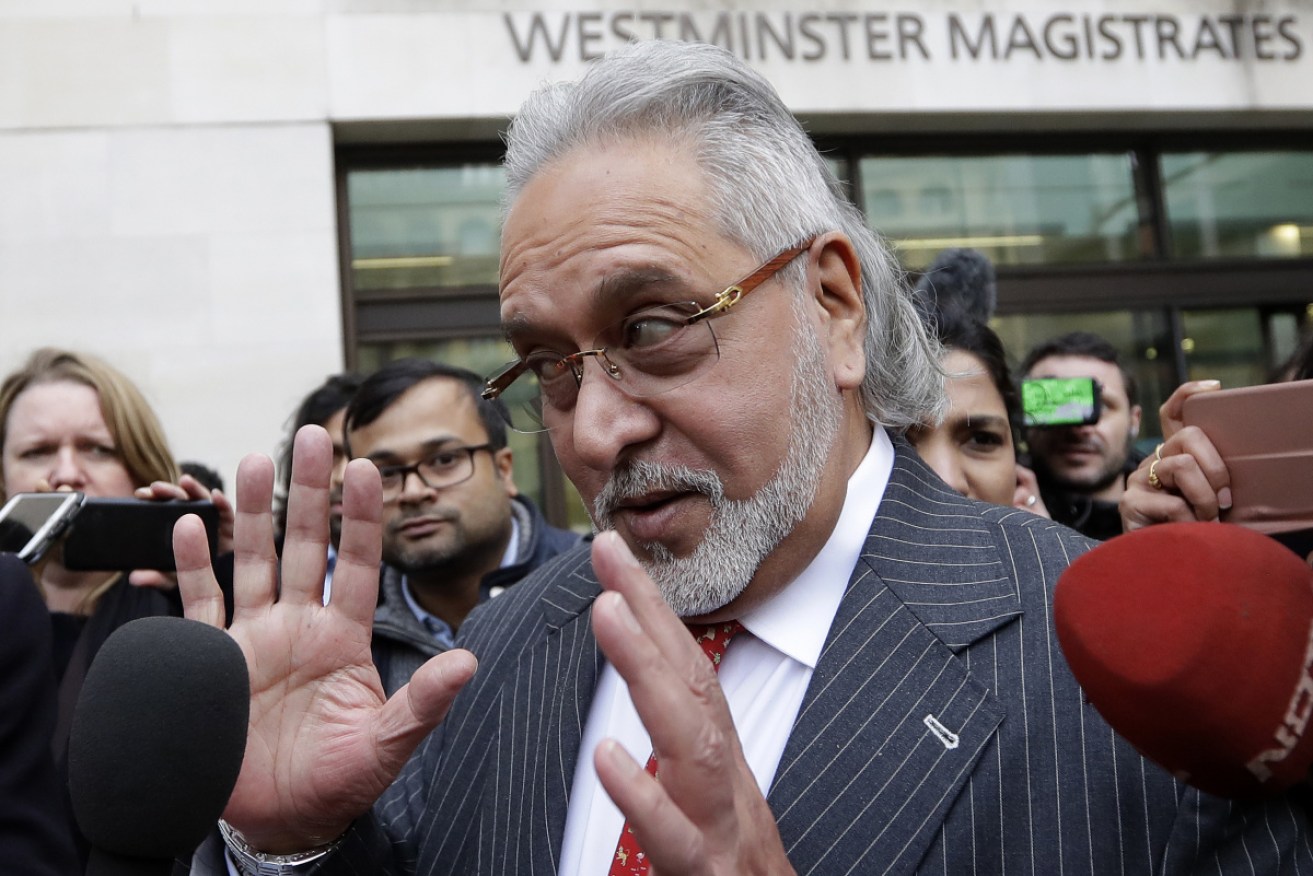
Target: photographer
x=1082 y=469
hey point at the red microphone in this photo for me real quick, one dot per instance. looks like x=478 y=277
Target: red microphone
x=1194 y=641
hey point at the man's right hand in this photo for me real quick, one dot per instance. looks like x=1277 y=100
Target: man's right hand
x=323 y=741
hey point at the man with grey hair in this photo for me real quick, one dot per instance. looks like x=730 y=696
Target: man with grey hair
x=893 y=698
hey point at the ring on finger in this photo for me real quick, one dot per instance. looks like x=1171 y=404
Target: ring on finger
x=1154 y=480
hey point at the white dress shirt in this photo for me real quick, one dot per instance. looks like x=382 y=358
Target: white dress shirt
x=764 y=675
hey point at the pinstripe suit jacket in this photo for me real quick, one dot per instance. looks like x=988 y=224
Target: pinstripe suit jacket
x=946 y=621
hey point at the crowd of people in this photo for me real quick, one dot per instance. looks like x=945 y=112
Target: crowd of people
x=459 y=533
x=827 y=468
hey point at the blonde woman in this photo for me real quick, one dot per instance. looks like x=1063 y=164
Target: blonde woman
x=70 y=421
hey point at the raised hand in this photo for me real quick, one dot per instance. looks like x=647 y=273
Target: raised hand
x=1193 y=483
x=323 y=741
x=705 y=815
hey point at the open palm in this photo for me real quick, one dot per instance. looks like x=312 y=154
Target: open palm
x=323 y=741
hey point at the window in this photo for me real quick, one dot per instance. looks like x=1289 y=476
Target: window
x=424 y=242
x=1192 y=254
x=424 y=227
x=1239 y=204
x=1016 y=209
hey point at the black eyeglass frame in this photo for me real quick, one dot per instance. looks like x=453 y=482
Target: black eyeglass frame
x=405 y=471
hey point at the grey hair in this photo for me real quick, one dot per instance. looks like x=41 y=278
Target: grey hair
x=769 y=187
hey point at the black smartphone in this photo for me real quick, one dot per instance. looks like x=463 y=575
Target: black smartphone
x=31 y=522
x=1061 y=401
x=125 y=534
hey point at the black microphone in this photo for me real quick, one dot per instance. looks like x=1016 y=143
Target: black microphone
x=157 y=742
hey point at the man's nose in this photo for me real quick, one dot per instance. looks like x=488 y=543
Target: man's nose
x=414 y=488
x=606 y=420
x=338 y=475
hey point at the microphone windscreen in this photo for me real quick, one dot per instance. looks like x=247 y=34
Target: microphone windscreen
x=1193 y=640
x=961 y=280
x=157 y=739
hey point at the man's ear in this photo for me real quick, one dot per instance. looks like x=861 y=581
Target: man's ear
x=503 y=461
x=1137 y=414
x=835 y=275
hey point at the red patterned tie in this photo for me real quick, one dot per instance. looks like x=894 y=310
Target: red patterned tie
x=629 y=859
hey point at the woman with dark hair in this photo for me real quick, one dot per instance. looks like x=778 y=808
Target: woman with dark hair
x=974 y=448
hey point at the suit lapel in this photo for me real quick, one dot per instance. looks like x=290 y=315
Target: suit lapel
x=542 y=713
x=892 y=723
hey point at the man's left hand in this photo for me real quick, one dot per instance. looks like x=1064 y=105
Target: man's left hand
x=705 y=815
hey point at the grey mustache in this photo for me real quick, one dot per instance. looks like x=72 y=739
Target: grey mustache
x=638 y=478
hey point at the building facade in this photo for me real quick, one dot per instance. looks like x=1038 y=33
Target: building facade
x=231 y=199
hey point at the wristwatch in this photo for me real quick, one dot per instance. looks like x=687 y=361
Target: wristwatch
x=251 y=862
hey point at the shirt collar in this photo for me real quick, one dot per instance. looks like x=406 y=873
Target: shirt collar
x=512 y=546
x=439 y=629
x=797 y=619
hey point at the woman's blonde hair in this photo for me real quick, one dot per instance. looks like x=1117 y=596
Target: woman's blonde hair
x=132 y=424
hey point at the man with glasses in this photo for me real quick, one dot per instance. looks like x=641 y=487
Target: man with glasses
x=456 y=531
x=725 y=361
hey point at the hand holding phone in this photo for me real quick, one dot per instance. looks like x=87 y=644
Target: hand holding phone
x=31 y=522
x=99 y=534
x=1264 y=435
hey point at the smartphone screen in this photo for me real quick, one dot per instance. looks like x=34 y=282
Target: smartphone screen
x=1060 y=401
x=30 y=522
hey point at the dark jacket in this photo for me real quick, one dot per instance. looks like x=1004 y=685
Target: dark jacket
x=402 y=644
x=942 y=732
x=1098 y=519
x=35 y=833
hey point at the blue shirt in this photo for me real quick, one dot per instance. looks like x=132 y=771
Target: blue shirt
x=437 y=627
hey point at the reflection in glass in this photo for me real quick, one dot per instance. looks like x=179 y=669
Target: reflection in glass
x=1226 y=345
x=1239 y=204
x=424 y=227
x=1017 y=209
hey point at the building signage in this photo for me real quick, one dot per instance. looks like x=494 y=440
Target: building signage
x=915 y=37
x=839 y=58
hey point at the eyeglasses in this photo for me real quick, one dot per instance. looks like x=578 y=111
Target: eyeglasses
x=442 y=468
x=651 y=351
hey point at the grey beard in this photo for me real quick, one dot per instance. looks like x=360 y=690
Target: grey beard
x=742 y=532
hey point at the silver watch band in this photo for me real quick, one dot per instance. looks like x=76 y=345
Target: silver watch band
x=252 y=862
